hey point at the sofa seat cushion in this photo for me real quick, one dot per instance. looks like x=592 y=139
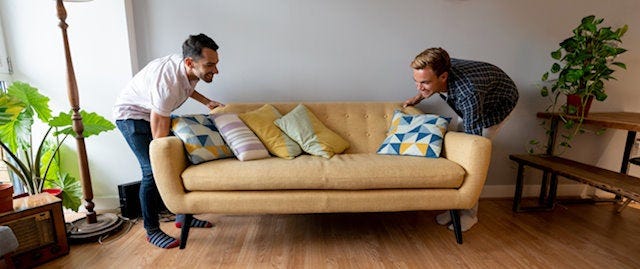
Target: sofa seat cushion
x=342 y=172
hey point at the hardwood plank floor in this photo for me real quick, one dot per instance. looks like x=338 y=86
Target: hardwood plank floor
x=572 y=236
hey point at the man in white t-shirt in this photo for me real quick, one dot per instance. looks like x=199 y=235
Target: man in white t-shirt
x=142 y=113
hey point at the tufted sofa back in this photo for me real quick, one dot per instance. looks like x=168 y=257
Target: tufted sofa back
x=363 y=124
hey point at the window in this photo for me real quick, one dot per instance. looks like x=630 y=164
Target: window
x=5 y=63
x=5 y=79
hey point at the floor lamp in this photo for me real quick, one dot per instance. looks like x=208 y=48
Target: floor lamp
x=93 y=225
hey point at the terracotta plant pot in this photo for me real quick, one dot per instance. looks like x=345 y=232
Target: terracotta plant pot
x=54 y=192
x=6 y=197
x=576 y=101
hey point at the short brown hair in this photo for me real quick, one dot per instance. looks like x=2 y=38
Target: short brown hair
x=435 y=58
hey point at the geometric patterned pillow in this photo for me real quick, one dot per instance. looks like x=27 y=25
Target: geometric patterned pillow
x=415 y=135
x=200 y=137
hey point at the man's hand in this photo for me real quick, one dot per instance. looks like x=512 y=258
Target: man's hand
x=413 y=100
x=214 y=104
x=205 y=101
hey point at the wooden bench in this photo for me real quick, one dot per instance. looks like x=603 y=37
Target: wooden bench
x=618 y=183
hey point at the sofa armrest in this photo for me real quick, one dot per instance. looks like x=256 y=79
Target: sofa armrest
x=168 y=161
x=473 y=153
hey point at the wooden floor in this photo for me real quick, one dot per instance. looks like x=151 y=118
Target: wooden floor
x=572 y=236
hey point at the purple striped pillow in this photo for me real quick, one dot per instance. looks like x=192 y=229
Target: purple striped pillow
x=242 y=141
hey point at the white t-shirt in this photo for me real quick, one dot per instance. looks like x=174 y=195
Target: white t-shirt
x=162 y=86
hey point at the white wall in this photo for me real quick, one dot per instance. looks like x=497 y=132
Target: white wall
x=360 y=50
x=283 y=50
x=100 y=51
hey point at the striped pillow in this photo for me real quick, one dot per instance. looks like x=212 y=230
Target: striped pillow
x=242 y=141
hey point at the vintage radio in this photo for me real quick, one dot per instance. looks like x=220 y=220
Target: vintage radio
x=38 y=224
x=33 y=231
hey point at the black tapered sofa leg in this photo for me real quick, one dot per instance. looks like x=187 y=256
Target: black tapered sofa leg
x=457 y=228
x=184 y=234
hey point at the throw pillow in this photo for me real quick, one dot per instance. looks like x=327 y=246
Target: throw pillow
x=312 y=135
x=200 y=137
x=242 y=141
x=260 y=121
x=415 y=135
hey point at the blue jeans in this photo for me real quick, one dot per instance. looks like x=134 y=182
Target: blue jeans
x=138 y=135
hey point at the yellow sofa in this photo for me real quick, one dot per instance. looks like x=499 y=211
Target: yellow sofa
x=359 y=180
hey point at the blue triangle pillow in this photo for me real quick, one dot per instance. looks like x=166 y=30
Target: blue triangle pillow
x=415 y=135
x=201 y=138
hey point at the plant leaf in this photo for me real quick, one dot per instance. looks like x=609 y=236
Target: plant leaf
x=32 y=99
x=16 y=133
x=623 y=30
x=71 y=190
x=544 y=91
x=588 y=19
x=621 y=65
x=574 y=75
x=10 y=108
x=556 y=54
x=93 y=124
x=600 y=96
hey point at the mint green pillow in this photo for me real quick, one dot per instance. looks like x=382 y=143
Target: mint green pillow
x=310 y=133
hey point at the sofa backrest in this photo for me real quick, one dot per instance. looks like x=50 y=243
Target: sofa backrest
x=363 y=124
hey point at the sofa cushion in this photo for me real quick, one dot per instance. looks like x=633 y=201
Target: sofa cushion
x=342 y=172
x=201 y=138
x=242 y=141
x=415 y=135
x=313 y=137
x=260 y=121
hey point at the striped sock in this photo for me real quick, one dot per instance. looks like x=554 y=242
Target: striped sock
x=160 y=239
x=196 y=223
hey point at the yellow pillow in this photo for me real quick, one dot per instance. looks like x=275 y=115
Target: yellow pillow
x=260 y=121
x=312 y=135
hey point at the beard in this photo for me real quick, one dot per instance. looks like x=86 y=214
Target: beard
x=208 y=77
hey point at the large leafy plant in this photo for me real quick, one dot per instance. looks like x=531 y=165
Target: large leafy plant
x=582 y=63
x=37 y=165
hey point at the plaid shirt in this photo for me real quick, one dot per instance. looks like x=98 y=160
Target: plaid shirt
x=480 y=93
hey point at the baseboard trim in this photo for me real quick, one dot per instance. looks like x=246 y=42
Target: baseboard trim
x=505 y=191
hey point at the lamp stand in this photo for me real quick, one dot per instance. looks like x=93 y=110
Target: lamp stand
x=92 y=225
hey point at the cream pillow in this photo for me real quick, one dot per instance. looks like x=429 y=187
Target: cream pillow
x=260 y=121
x=310 y=133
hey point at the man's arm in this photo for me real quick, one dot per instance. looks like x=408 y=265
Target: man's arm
x=472 y=114
x=160 y=125
x=204 y=100
x=413 y=100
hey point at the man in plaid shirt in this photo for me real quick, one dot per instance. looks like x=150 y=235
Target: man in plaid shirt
x=480 y=93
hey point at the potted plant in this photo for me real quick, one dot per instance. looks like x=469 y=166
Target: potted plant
x=37 y=165
x=582 y=63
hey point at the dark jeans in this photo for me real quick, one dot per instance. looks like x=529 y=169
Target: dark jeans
x=138 y=136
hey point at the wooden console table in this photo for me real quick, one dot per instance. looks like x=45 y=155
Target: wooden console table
x=619 y=183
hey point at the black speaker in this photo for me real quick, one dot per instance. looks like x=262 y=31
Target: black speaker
x=130 y=199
